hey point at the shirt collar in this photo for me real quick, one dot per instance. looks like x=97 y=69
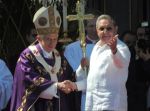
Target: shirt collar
x=45 y=53
x=89 y=39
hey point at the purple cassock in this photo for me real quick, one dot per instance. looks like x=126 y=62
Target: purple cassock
x=30 y=79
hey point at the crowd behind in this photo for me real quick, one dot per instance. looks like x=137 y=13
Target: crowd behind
x=138 y=82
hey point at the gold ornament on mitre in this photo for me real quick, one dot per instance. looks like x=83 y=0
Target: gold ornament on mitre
x=47 y=20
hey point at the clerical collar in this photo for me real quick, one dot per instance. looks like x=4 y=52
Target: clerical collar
x=90 y=40
x=45 y=53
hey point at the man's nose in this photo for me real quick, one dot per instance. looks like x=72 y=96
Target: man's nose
x=105 y=30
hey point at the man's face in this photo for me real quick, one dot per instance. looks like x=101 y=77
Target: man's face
x=141 y=33
x=49 y=42
x=129 y=39
x=91 y=29
x=106 y=30
x=140 y=53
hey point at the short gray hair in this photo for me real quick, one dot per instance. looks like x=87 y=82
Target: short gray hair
x=105 y=16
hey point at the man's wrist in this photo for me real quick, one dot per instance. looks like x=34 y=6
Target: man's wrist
x=75 y=86
x=59 y=87
x=114 y=51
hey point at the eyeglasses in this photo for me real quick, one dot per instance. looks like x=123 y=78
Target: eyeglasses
x=105 y=28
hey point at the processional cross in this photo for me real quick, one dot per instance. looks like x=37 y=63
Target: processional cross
x=81 y=17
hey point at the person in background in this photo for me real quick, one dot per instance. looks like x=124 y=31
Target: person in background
x=31 y=35
x=143 y=34
x=143 y=31
x=143 y=73
x=6 y=81
x=130 y=38
x=40 y=71
x=73 y=51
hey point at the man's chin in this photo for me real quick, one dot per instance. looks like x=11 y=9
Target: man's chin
x=50 y=49
x=107 y=40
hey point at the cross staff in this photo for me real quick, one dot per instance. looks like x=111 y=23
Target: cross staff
x=81 y=17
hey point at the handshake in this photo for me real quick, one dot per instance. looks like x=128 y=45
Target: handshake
x=67 y=86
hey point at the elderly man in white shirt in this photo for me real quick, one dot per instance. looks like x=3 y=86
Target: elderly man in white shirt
x=108 y=70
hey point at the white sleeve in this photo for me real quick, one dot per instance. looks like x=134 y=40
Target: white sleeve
x=81 y=85
x=81 y=79
x=122 y=57
x=50 y=92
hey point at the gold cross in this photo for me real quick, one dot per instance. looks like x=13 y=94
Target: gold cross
x=81 y=17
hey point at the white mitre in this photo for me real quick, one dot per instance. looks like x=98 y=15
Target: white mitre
x=47 y=20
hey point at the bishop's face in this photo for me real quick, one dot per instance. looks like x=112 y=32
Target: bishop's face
x=106 y=30
x=48 y=42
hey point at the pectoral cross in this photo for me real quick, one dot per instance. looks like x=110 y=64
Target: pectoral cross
x=81 y=17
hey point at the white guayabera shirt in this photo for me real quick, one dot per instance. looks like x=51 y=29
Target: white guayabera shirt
x=107 y=78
